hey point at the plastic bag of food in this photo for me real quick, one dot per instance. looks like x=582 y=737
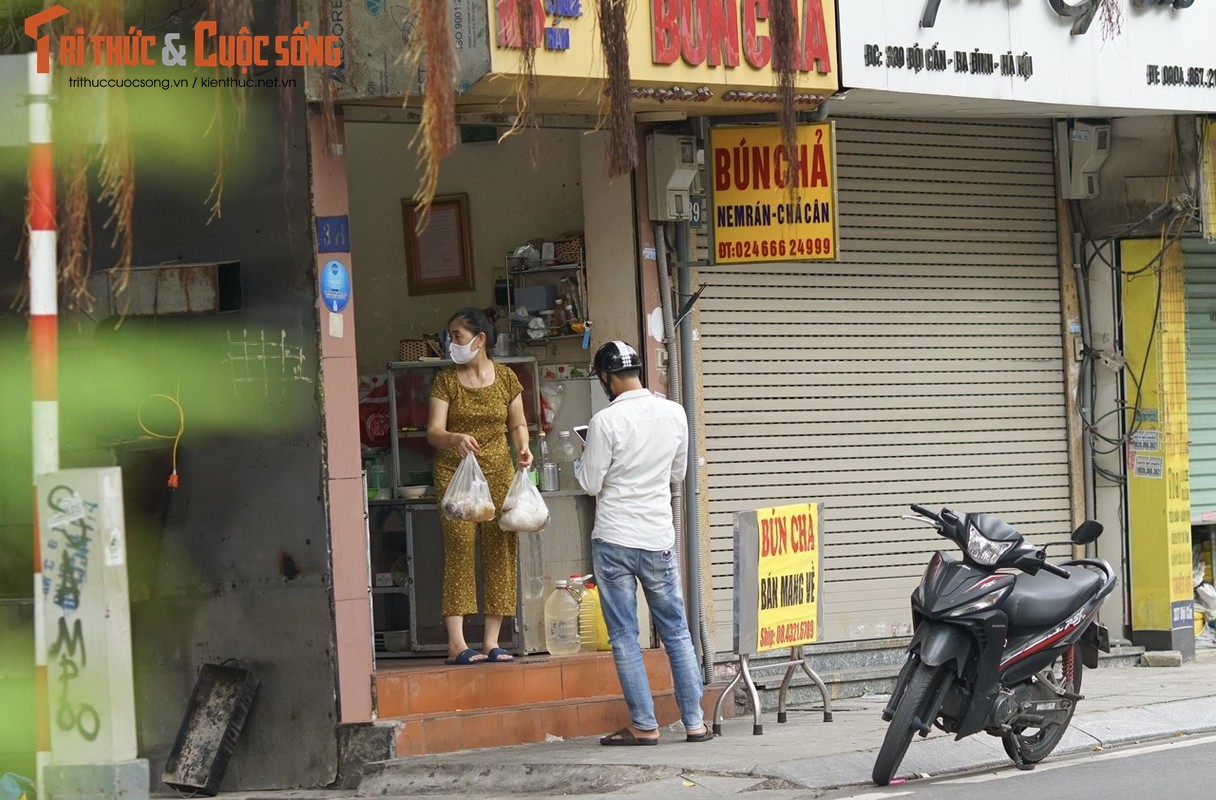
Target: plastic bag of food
x=467 y=498
x=524 y=510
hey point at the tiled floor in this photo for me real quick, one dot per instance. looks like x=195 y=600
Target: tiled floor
x=443 y=707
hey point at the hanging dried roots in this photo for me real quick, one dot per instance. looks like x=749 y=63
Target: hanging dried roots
x=438 y=128
x=622 y=154
x=783 y=30
x=526 y=22
x=1111 y=14
x=74 y=123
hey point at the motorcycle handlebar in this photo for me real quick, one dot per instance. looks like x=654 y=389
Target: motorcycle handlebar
x=1054 y=570
x=924 y=512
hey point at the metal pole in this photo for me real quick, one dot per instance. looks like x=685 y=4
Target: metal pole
x=44 y=346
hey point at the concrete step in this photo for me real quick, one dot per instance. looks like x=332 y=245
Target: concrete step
x=424 y=734
x=404 y=690
x=434 y=708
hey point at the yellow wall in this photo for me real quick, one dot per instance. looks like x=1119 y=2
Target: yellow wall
x=1158 y=481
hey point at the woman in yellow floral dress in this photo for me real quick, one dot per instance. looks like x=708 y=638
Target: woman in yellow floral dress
x=475 y=405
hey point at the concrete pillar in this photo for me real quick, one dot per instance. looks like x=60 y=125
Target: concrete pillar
x=86 y=637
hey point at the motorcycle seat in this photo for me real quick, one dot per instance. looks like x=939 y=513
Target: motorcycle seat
x=1045 y=599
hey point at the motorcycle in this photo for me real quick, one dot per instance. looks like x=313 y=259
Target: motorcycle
x=1000 y=652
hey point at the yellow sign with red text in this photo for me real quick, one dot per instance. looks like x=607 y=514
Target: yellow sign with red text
x=715 y=44
x=788 y=572
x=755 y=216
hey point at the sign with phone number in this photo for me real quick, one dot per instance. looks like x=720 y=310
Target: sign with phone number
x=756 y=216
x=775 y=249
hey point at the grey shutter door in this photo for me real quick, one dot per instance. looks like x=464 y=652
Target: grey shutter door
x=1199 y=261
x=924 y=366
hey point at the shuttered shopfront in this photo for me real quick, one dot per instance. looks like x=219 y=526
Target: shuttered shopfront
x=1199 y=260
x=923 y=366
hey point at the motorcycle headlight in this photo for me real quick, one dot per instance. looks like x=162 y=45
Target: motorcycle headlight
x=985 y=551
x=985 y=602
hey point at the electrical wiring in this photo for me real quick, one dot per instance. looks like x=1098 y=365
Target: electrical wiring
x=173 y=481
x=1173 y=217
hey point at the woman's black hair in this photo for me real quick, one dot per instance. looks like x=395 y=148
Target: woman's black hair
x=476 y=321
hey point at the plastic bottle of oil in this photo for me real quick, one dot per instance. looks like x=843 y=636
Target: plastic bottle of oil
x=561 y=620
x=593 y=632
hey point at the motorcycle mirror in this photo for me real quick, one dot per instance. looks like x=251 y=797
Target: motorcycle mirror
x=1088 y=531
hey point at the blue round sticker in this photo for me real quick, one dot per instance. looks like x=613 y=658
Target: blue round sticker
x=335 y=286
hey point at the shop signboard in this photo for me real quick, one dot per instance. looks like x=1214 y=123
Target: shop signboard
x=381 y=43
x=754 y=215
x=680 y=51
x=1156 y=55
x=778 y=552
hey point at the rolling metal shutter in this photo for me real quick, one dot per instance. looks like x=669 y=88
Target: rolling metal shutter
x=923 y=366
x=1200 y=266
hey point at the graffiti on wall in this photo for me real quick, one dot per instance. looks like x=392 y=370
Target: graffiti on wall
x=264 y=364
x=72 y=524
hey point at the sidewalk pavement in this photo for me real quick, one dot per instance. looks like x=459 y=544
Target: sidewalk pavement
x=1122 y=705
x=799 y=759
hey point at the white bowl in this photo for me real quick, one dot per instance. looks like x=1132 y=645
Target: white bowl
x=411 y=492
x=396 y=641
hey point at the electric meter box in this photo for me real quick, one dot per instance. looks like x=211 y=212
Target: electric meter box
x=671 y=166
x=1083 y=147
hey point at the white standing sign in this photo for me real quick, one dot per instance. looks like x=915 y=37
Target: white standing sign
x=1159 y=56
x=86 y=621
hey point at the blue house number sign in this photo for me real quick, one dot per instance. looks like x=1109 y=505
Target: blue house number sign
x=335 y=286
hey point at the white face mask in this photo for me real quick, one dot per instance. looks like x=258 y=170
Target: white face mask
x=462 y=353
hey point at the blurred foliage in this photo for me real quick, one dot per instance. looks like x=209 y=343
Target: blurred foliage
x=17 y=740
x=229 y=378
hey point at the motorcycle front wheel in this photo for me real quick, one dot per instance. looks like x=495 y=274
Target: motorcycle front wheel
x=912 y=706
x=1035 y=744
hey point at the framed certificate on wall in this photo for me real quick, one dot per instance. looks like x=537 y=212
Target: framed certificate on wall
x=439 y=258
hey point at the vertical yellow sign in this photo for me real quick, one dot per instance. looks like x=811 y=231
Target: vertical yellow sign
x=1157 y=462
x=755 y=216
x=788 y=572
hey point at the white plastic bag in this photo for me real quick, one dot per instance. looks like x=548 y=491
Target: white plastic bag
x=524 y=510
x=467 y=498
x=1206 y=595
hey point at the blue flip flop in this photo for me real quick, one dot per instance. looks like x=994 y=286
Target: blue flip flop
x=469 y=656
x=496 y=655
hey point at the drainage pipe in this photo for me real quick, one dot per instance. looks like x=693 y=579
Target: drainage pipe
x=688 y=395
x=673 y=367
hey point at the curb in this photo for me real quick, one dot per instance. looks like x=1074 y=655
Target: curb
x=521 y=778
x=937 y=756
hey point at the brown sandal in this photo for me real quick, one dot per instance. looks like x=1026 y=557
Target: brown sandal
x=624 y=737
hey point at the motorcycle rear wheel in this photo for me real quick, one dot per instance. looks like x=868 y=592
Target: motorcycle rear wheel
x=1035 y=744
x=921 y=688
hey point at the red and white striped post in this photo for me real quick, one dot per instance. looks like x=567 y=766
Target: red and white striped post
x=44 y=343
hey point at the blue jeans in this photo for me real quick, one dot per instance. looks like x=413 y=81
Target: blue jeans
x=617 y=572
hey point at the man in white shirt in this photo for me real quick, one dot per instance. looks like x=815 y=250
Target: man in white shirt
x=636 y=448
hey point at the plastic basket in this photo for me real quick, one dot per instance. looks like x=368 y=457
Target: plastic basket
x=413 y=350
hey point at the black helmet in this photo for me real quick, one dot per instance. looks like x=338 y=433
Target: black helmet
x=615 y=357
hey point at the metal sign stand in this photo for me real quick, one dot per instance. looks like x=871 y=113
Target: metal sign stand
x=797 y=659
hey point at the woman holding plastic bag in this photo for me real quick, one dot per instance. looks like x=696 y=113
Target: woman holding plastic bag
x=475 y=405
x=524 y=510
